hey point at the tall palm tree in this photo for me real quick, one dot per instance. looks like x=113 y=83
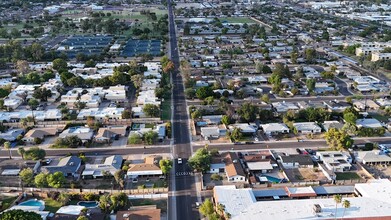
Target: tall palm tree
x=345 y=205
x=7 y=145
x=21 y=151
x=337 y=199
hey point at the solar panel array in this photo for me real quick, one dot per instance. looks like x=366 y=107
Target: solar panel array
x=136 y=47
x=89 y=45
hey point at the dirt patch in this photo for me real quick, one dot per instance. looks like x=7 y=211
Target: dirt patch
x=304 y=174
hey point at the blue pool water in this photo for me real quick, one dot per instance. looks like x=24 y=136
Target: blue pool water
x=32 y=202
x=88 y=204
x=272 y=179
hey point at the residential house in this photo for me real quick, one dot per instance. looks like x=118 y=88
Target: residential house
x=282 y=107
x=307 y=127
x=233 y=168
x=148 y=168
x=11 y=134
x=364 y=105
x=210 y=132
x=84 y=133
x=274 y=128
x=327 y=125
x=217 y=164
x=335 y=161
x=368 y=123
x=296 y=161
x=40 y=133
x=69 y=166
x=374 y=157
x=101 y=114
x=245 y=128
x=139 y=213
x=337 y=106
x=107 y=134
x=110 y=165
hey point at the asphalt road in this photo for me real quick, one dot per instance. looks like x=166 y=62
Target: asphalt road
x=182 y=196
x=313 y=144
x=98 y=151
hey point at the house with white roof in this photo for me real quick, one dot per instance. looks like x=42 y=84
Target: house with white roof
x=307 y=127
x=101 y=113
x=374 y=157
x=332 y=124
x=282 y=107
x=109 y=166
x=368 y=123
x=335 y=161
x=245 y=128
x=274 y=128
x=84 y=133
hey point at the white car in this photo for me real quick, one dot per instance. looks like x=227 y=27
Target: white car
x=179 y=160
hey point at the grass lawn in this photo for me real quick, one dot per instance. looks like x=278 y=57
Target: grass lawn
x=166 y=109
x=6 y=202
x=52 y=205
x=237 y=20
x=160 y=203
x=347 y=176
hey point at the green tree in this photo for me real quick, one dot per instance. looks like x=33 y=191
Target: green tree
x=190 y=93
x=119 y=178
x=327 y=75
x=126 y=114
x=137 y=80
x=165 y=166
x=226 y=120
x=105 y=203
x=206 y=208
x=310 y=83
x=150 y=137
x=42 y=94
x=119 y=201
x=151 y=110
x=204 y=92
x=79 y=105
x=7 y=146
x=119 y=78
x=33 y=103
x=310 y=55
x=196 y=114
x=59 y=64
x=34 y=153
x=345 y=205
x=350 y=118
x=248 y=112
x=337 y=200
x=27 y=176
x=56 y=180
x=82 y=217
x=236 y=134
x=265 y=98
x=201 y=160
x=350 y=129
x=64 y=198
x=17 y=214
x=337 y=139
x=40 y=180
x=134 y=139
x=21 y=152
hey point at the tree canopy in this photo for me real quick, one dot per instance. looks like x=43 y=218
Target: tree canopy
x=338 y=139
x=18 y=214
x=201 y=160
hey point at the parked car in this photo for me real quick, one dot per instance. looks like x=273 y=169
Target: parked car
x=179 y=160
x=298 y=150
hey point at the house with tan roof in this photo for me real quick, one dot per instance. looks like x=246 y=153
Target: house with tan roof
x=148 y=168
x=40 y=133
x=108 y=133
x=149 y=212
x=233 y=168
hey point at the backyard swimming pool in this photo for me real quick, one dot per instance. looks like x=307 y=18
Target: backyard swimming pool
x=88 y=204
x=272 y=179
x=34 y=203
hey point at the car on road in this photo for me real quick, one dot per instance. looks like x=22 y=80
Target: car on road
x=197 y=205
x=179 y=160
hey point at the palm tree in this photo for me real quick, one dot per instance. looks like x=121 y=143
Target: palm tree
x=21 y=151
x=7 y=145
x=345 y=205
x=337 y=199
